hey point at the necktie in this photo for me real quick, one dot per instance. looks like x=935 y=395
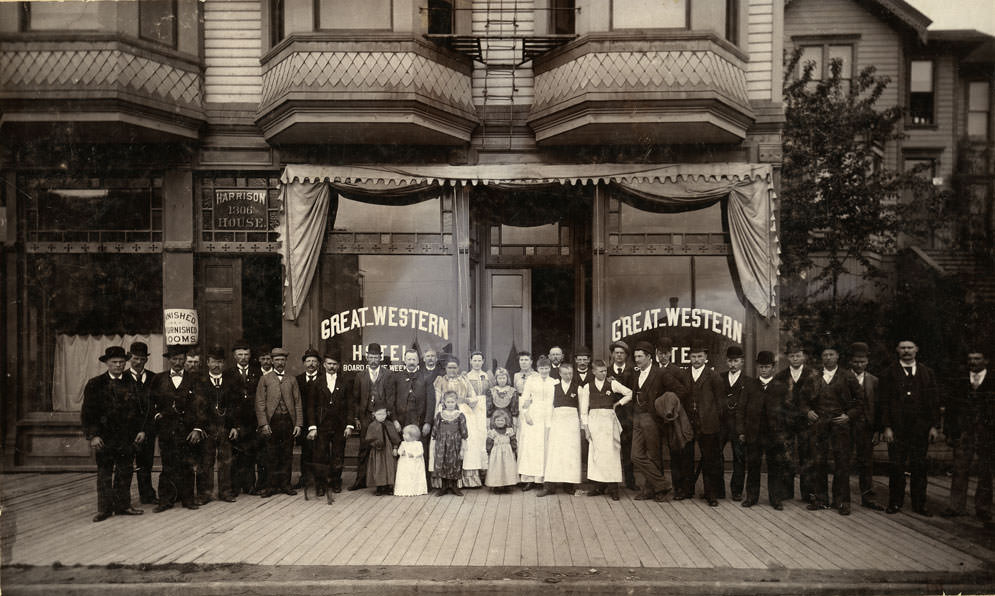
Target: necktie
x=975 y=381
x=908 y=371
x=618 y=371
x=217 y=383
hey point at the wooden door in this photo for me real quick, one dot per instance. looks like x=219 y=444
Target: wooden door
x=220 y=302
x=507 y=313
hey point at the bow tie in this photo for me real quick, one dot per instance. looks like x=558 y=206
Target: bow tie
x=175 y=374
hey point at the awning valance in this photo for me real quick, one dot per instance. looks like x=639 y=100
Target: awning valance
x=404 y=175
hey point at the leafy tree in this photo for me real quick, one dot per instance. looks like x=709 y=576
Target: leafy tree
x=839 y=203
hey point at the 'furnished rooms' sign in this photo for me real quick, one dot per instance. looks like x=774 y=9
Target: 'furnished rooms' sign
x=180 y=326
x=239 y=209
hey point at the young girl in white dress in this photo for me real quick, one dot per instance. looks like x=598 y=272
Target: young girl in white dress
x=410 y=480
x=502 y=469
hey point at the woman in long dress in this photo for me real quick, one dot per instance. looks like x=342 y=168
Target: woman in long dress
x=474 y=407
x=458 y=384
x=524 y=371
x=534 y=409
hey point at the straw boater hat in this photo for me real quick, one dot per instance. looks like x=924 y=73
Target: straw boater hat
x=619 y=344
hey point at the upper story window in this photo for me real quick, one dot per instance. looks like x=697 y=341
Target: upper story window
x=732 y=21
x=157 y=21
x=978 y=106
x=440 y=17
x=822 y=56
x=74 y=15
x=921 y=93
x=650 y=14
x=352 y=14
x=564 y=17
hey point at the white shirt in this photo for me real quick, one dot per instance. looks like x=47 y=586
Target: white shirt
x=733 y=377
x=330 y=379
x=138 y=377
x=215 y=380
x=827 y=375
x=860 y=379
x=374 y=373
x=618 y=369
x=764 y=382
x=696 y=372
x=642 y=375
x=905 y=367
x=796 y=373
x=978 y=378
x=243 y=370
x=176 y=378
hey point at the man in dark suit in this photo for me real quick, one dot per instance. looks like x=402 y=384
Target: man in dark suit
x=733 y=382
x=651 y=382
x=248 y=448
x=621 y=370
x=969 y=429
x=411 y=401
x=280 y=416
x=707 y=408
x=180 y=420
x=219 y=391
x=796 y=437
x=681 y=461
x=867 y=427
x=114 y=423
x=582 y=369
x=145 y=451
x=369 y=394
x=834 y=400
x=327 y=413
x=305 y=381
x=910 y=415
x=759 y=419
x=431 y=369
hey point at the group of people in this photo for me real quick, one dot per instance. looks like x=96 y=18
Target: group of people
x=434 y=425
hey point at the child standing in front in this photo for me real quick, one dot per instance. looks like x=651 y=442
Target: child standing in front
x=503 y=397
x=410 y=464
x=502 y=469
x=381 y=467
x=449 y=432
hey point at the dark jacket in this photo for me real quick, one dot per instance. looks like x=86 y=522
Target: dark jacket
x=794 y=419
x=658 y=381
x=760 y=414
x=408 y=396
x=220 y=403
x=306 y=389
x=909 y=400
x=179 y=410
x=871 y=415
x=145 y=401
x=328 y=410
x=369 y=396
x=242 y=411
x=112 y=410
x=970 y=407
x=842 y=395
x=707 y=398
x=732 y=396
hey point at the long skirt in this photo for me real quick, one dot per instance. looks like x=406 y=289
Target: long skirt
x=604 y=454
x=563 y=447
x=532 y=450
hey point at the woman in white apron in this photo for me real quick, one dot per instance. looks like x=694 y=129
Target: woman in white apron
x=534 y=409
x=474 y=407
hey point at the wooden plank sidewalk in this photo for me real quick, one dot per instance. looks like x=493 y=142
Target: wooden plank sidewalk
x=46 y=519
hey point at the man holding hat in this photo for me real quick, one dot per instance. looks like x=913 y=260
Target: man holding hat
x=834 y=400
x=180 y=420
x=651 y=382
x=797 y=447
x=248 y=453
x=867 y=428
x=114 y=424
x=307 y=381
x=279 y=415
x=707 y=407
x=733 y=384
x=621 y=371
x=759 y=419
x=145 y=452
x=369 y=395
x=220 y=393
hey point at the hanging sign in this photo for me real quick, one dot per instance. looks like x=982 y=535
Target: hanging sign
x=240 y=209
x=180 y=326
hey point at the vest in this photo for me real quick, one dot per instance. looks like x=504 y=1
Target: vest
x=601 y=400
x=562 y=400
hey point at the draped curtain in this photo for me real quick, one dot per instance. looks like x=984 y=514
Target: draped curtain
x=77 y=360
x=308 y=206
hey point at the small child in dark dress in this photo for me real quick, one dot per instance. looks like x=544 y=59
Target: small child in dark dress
x=381 y=467
x=450 y=435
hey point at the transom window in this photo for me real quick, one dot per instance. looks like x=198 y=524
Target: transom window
x=352 y=14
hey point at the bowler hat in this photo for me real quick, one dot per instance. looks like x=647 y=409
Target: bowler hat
x=309 y=353
x=334 y=354
x=374 y=348
x=644 y=346
x=765 y=357
x=216 y=352
x=241 y=345
x=665 y=344
x=619 y=344
x=735 y=352
x=279 y=352
x=139 y=348
x=859 y=348
x=175 y=351
x=698 y=347
x=113 y=352
x=583 y=351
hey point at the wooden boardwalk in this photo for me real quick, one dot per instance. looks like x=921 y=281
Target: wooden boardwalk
x=46 y=519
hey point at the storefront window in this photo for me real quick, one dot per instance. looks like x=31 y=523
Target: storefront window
x=642 y=14
x=353 y=14
x=72 y=15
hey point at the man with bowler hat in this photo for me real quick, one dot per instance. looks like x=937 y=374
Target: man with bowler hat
x=797 y=446
x=220 y=393
x=733 y=383
x=180 y=420
x=307 y=381
x=369 y=394
x=327 y=411
x=248 y=452
x=621 y=370
x=114 y=423
x=867 y=428
x=707 y=409
x=279 y=414
x=759 y=420
x=145 y=451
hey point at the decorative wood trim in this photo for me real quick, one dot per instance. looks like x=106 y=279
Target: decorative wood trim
x=93 y=247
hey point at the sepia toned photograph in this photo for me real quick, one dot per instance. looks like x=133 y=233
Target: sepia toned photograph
x=497 y=296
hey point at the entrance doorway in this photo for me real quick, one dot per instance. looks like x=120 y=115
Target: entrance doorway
x=240 y=298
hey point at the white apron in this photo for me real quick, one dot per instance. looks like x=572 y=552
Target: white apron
x=563 y=447
x=532 y=438
x=604 y=453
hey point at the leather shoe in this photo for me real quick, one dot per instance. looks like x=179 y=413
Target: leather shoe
x=228 y=499
x=892 y=509
x=266 y=493
x=923 y=511
x=713 y=503
x=778 y=507
x=871 y=505
x=191 y=506
x=357 y=486
x=102 y=516
x=457 y=492
x=320 y=492
x=289 y=491
x=844 y=509
x=130 y=511
x=528 y=486
x=948 y=512
x=161 y=508
x=748 y=503
x=661 y=496
x=737 y=497
x=336 y=489
x=815 y=506
x=643 y=496
x=545 y=492
x=614 y=495
x=594 y=492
